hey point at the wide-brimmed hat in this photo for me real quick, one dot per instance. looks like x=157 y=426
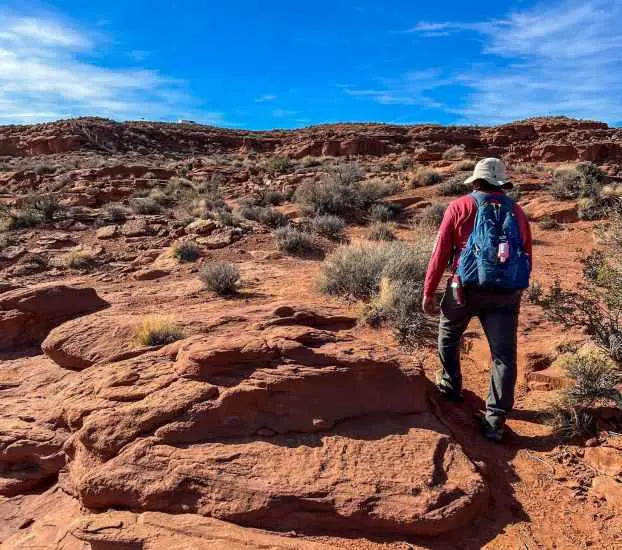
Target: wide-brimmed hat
x=491 y=170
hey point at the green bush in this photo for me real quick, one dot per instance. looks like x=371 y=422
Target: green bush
x=293 y=241
x=424 y=177
x=220 y=277
x=328 y=226
x=187 y=252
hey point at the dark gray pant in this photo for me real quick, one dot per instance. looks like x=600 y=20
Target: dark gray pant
x=498 y=314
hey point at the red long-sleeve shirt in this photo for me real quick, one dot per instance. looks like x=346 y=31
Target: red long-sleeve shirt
x=453 y=234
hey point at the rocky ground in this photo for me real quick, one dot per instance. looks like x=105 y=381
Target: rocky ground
x=278 y=418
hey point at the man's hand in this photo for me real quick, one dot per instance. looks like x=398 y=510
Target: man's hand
x=429 y=305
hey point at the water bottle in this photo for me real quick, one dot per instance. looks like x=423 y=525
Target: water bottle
x=457 y=291
x=504 y=251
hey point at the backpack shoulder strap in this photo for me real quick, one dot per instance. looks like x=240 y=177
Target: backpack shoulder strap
x=481 y=198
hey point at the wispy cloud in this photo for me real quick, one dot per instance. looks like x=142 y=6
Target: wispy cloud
x=265 y=98
x=558 y=58
x=409 y=89
x=284 y=113
x=46 y=72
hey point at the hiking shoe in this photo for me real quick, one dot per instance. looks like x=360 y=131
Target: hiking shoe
x=449 y=394
x=490 y=433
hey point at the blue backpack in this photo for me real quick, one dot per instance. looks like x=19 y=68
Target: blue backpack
x=493 y=257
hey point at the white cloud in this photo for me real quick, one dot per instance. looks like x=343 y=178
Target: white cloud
x=557 y=58
x=264 y=98
x=46 y=73
x=409 y=89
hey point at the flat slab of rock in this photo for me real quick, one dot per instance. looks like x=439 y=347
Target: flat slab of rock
x=377 y=474
x=159 y=531
x=292 y=422
x=28 y=314
x=80 y=343
x=150 y=274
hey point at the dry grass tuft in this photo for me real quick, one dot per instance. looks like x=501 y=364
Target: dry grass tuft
x=158 y=331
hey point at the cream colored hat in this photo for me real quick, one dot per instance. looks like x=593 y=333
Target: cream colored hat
x=492 y=170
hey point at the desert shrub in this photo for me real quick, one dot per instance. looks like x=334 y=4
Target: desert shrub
x=78 y=259
x=405 y=162
x=593 y=208
x=220 y=277
x=272 y=197
x=594 y=382
x=211 y=185
x=594 y=306
x=309 y=162
x=179 y=189
x=227 y=218
x=585 y=180
x=187 y=251
x=424 y=177
x=455 y=185
x=328 y=226
x=381 y=232
x=272 y=218
x=158 y=331
x=548 y=223
x=293 y=241
x=18 y=218
x=466 y=165
x=347 y=173
x=341 y=192
x=432 y=215
x=41 y=169
x=455 y=152
x=398 y=305
x=111 y=214
x=384 y=212
x=328 y=196
x=277 y=165
x=611 y=231
x=264 y=215
x=47 y=205
x=355 y=270
x=534 y=292
x=145 y=205
x=514 y=193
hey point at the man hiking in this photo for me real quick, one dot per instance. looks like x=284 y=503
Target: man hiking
x=486 y=240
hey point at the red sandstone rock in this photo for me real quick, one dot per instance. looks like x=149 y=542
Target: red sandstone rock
x=27 y=315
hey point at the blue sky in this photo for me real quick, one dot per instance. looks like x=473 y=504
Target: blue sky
x=278 y=64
